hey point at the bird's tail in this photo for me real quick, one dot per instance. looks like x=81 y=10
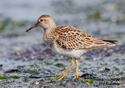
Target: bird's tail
x=112 y=42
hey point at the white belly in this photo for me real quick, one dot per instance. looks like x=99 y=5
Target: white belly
x=70 y=53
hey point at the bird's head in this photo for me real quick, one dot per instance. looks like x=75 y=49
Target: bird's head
x=44 y=21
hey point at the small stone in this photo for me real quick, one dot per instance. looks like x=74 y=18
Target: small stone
x=37 y=83
x=116 y=68
x=94 y=59
x=20 y=53
x=101 y=69
x=32 y=57
x=107 y=69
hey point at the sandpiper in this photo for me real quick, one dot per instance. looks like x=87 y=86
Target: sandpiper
x=69 y=41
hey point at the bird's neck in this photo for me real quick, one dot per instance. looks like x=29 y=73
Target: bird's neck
x=49 y=35
x=50 y=30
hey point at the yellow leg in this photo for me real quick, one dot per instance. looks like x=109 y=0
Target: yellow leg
x=76 y=61
x=65 y=74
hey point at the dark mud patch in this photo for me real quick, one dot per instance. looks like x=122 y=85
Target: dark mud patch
x=107 y=51
x=32 y=54
x=41 y=53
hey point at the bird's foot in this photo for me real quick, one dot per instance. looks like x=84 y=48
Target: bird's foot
x=60 y=77
x=77 y=75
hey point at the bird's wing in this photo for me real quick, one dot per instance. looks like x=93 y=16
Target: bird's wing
x=71 y=38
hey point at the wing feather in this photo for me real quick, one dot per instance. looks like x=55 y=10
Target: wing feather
x=72 y=38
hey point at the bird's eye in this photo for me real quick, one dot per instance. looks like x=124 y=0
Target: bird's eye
x=41 y=20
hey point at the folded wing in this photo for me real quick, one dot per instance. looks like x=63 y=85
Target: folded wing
x=72 y=38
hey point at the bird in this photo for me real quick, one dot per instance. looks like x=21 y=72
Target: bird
x=68 y=41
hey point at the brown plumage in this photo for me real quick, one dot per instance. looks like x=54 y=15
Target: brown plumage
x=72 y=38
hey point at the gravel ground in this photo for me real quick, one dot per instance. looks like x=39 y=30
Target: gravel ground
x=26 y=62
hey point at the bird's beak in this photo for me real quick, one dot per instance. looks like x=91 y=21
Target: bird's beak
x=36 y=25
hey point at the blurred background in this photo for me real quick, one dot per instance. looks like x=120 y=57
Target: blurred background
x=21 y=52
